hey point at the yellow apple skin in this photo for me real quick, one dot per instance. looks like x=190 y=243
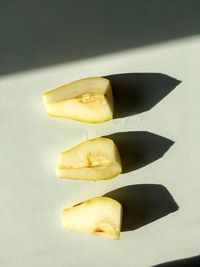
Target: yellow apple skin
x=100 y=216
x=93 y=160
x=87 y=100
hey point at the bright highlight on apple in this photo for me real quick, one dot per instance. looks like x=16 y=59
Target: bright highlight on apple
x=92 y=160
x=87 y=100
x=100 y=216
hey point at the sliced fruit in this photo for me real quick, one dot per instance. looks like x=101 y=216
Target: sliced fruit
x=87 y=100
x=100 y=216
x=95 y=159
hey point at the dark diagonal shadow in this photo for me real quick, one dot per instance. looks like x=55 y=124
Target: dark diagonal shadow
x=36 y=34
x=138 y=92
x=188 y=262
x=138 y=149
x=143 y=204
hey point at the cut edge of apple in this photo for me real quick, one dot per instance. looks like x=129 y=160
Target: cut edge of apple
x=109 y=100
x=108 y=177
x=103 y=228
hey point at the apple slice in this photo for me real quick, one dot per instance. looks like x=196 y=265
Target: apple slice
x=100 y=216
x=94 y=159
x=87 y=100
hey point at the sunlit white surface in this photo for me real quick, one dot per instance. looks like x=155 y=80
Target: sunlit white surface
x=31 y=196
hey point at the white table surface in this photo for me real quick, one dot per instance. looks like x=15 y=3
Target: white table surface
x=31 y=196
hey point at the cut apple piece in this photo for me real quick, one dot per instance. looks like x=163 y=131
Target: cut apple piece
x=95 y=159
x=87 y=100
x=100 y=216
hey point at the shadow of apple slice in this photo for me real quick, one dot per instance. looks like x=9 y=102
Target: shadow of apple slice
x=143 y=204
x=139 y=148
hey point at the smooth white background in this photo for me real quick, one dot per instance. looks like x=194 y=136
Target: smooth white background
x=31 y=196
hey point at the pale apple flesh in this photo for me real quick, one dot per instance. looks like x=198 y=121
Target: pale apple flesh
x=93 y=160
x=87 y=100
x=100 y=216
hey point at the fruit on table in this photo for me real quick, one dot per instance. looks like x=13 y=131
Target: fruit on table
x=87 y=100
x=100 y=216
x=92 y=160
